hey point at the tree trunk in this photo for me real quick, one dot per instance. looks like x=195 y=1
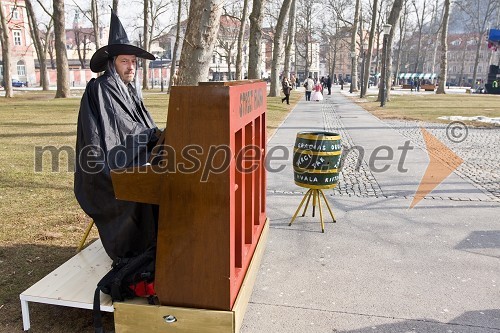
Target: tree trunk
x=6 y=51
x=78 y=42
x=176 y=46
x=95 y=23
x=115 y=6
x=354 y=67
x=60 y=46
x=254 y=51
x=393 y=20
x=476 y=61
x=369 y=52
x=201 y=35
x=444 y=49
x=420 y=24
x=433 y=24
x=40 y=51
x=145 y=45
x=290 y=39
x=51 y=49
x=462 y=67
x=378 y=29
x=241 y=36
x=278 y=49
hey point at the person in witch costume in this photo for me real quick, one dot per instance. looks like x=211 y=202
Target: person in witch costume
x=115 y=131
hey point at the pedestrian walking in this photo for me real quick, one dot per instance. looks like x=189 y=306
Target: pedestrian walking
x=329 y=84
x=309 y=85
x=317 y=94
x=287 y=87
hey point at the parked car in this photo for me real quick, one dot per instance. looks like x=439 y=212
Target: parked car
x=18 y=84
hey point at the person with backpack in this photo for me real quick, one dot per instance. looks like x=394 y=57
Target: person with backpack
x=115 y=131
x=309 y=85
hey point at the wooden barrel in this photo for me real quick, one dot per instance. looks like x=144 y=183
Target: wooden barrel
x=316 y=159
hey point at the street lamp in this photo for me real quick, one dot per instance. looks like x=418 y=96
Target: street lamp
x=387 y=31
x=353 y=56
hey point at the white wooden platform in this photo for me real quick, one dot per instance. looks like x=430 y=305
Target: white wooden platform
x=72 y=284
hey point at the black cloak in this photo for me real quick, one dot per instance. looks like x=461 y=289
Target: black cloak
x=114 y=131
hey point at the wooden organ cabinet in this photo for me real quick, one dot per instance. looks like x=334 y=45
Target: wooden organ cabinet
x=209 y=181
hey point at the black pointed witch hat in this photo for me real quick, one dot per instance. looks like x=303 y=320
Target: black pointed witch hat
x=118 y=43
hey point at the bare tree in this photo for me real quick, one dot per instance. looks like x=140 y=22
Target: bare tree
x=94 y=20
x=39 y=47
x=304 y=35
x=227 y=40
x=354 y=33
x=444 y=48
x=462 y=65
x=81 y=43
x=369 y=51
x=421 y=18
x=176 y=46
x=241 y=36
x=145 y=45
x=255 y=40
x=479 y=13
x=60 y=46
x=48 y=39
x=6 y=51
x=402 y=38
x=393 y=21
x=201 y=33
x=94 y=13
x=278 y=49
x=290 y=41
x=115 y=6
x=435 y=28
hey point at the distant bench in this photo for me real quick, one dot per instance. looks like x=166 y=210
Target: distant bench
x=426 y=87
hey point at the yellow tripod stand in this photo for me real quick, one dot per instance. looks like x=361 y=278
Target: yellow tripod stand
x=315 y=194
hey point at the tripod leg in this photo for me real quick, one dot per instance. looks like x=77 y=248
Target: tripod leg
x=298 y=209
x=314 y=200
x=327 y=205
x=320 y=212
x=307 y=203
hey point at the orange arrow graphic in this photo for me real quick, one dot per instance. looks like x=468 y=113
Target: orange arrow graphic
x=442 y=163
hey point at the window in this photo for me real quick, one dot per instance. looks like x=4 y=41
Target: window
x=480 y=69
x=471 y=69
x=15 y=13
x=17 y=37
x=213 y=59
x=21 y=69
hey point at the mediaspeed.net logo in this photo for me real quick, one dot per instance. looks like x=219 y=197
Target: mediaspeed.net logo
x=442 y=160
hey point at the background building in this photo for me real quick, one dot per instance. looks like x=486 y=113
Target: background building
x=23 y=53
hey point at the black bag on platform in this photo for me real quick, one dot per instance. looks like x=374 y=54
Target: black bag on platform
x=128 y=278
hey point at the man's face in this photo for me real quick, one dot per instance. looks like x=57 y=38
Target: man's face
x=125 y=67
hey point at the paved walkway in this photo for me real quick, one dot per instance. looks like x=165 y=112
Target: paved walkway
x=382 y=267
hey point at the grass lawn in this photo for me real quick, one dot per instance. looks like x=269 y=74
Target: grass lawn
x=428 y=107
x=42 y=223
